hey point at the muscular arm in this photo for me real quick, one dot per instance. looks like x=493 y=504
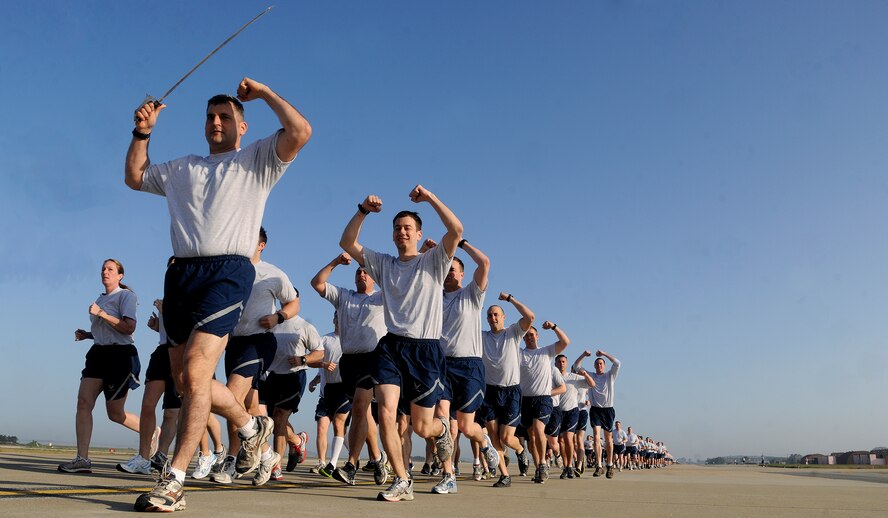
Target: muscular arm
x=527 y=315
x=349 y=240
x=297 y=130
x=480 y=275
x=563 y=340
x=319 y=281
x=576 y=364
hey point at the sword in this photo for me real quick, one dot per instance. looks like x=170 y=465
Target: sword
x=158 y=102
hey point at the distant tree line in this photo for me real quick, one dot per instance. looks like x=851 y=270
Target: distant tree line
x=8 y=439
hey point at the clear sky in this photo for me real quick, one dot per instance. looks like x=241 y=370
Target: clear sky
x=696 y=187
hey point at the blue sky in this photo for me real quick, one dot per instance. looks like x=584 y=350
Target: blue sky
x=695 y=187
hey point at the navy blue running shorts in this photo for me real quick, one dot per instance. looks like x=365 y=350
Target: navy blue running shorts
x=116 y=365
x=416 y=365
x=535 y=408
x=603 y=417
x=250 y=355
x=282 y=391
x=464 y=385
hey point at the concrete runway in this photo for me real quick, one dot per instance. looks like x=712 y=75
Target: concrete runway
x=30 y=485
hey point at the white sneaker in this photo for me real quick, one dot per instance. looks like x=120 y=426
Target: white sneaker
x=137 y=464
x=204 y=465
x=265 y=469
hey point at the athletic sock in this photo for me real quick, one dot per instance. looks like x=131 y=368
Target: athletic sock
x=179 y=474
x=267 y=454
x=248 y=430
x=337 y=449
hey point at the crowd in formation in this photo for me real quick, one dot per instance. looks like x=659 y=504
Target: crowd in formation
x=408 y=355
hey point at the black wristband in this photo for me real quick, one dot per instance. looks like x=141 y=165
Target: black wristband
x=554 y=327
x=509 y=298
x=138 y=135
x=362 y=210
x=280 y=317
x=461 y=243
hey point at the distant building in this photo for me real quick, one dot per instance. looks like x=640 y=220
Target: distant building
x=881 y=458
x=819 y=458
x=855 y=457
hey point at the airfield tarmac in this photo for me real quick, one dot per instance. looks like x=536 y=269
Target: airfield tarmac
x=30 y=485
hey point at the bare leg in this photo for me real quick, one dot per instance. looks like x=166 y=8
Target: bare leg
x=89 y=391
x=147 y=417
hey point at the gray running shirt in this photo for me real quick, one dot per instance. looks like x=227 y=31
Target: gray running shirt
x=602 y=396
x=295 y=337
x=502 y=362
x=536 y=371
x=361 y=322
x=270 y=285
x=570 y=398
x=119 y=303
x=216 y=202
x=461 y=332
x=411 y=291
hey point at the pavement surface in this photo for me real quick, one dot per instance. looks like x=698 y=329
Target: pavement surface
x=30 y=485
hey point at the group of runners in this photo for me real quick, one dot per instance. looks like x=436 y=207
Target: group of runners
x=407 y=356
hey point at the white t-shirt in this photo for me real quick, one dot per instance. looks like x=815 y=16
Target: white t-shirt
x=570 y=398
x=361 y=320
x=461 y=331
x=119 y=303
x=582 y=397
x=502 y=362
x=411 y=291
x=270 y=285
x=216 y=202
x=332 y=353
x=295 y=337
x=620 y=436
x=602 y=395
x=557 y=381
x=632 y=439
x=536 y=371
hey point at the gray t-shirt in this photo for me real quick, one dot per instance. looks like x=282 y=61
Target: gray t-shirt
x=602 y=395
x=270 y=285
x=361 y=322
x=411 y=291
x=536 y=371
x=570 y=398
x=502 y=363
x=461 y=331
x=216 y=202
x=332 y=353
x=119 y=303
x=295 y=337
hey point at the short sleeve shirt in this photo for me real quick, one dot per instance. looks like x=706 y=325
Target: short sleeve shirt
x=602 y=395
x=295 y=337
x=361 y=321
x=411 y=291
x=120 y=303
x=270 y=285
x=461 y=333
x=536 y=371
x=502 y=363
x=216 y=202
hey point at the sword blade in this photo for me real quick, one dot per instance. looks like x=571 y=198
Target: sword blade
x=158 y=102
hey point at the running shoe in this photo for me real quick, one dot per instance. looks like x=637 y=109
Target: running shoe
x=446 y=486
x=455 y=469
x=544 y=472
x=564 y=473
x=578 y=472
x=204 y=465
x=220 y=459
x=136 y=465
x=598 y=471
x=490 y=454
x=168 y=495
x=251 y=447
x=581 y=468
x=276 y=474
x=345 y=474
x=328 y=470
x=370 y=466
x=436 y=469
x=400 y=489
x=293 y=460
x=265 y=469
x=226 y=472
x=159 y=461
x=537 y=477
x=610 y=471
x=78 y=465
x=487 y=475
x=155 y=441
x=426 y=469
x=570 y=472
x=383 y=469
x=558 y=462
x=504 y=481
x=477 y=472
x=301 y=449
x=316 y=469
x=523 y=462
x=444 y=443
